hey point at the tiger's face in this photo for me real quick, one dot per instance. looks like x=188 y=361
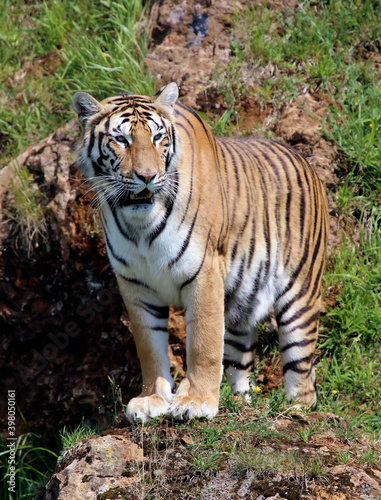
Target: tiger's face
x=128 y=149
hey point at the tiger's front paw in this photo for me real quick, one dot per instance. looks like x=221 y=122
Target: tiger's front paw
x=147 y=407
x=187 y=407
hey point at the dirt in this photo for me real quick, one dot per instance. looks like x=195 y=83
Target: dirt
x=64 y=329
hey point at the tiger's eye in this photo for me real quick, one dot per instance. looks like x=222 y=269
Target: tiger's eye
x=157 y=137
x=121 y=139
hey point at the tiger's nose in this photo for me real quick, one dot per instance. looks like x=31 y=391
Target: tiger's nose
x=146 y=177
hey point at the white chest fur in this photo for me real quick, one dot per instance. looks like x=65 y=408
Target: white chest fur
x=135 y=255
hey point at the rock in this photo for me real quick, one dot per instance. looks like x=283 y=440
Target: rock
x=99 y=466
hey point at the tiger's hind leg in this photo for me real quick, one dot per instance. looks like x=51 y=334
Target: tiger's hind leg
x=239 y=352
x=298 y=330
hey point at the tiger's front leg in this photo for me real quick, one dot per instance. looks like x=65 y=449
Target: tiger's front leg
x=149 y=323
x=198 y=393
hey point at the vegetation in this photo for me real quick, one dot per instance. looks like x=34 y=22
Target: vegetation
x=70 y=437
x=51 y=49
x=33 y=463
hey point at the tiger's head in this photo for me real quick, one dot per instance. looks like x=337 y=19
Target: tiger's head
x=128 y=147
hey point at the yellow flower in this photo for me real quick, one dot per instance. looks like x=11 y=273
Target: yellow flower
x=257 y=389
x=334 y=392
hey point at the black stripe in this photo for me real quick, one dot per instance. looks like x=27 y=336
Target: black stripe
x=107 y=126
x=177 y=112
x=253 y=160
x=293 y=365
x=191 y=176
x=91 y=142
x=238 y=333
x=185 y=242
x=121 y=229
x=222 y=191
x=252 y=245
x=97 y=168
x=305 y=288
x=222 y=145
x=237 y=364
x=160 y=312
x=188 y=281
x=241 y=347
x=112 y=251
x=229 y=294
x=310 y=332
x=302 y=343
x=282 y=145
x=302 y=206
x=161 y=226
x=271 y=145
x=234 y=163
x=136 y=282
x=126 y=116
x=292 y=155
x=234 y=251
x=295 y=274
x=172 y=136
x=190 y=110
x=256 y=283
x=307 y=323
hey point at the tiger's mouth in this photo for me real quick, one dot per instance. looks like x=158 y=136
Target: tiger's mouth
x=145 y=197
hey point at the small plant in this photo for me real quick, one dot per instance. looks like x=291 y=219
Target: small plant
x=347 y=429
x=69 y=437
x=203 y=464
x=276 y=403
x=369 y=457
x=343 y=457
x=222 y=125
x=94 y=228
x=229 y=402
x=117 y=399
x=316 y=467
x=305 y=432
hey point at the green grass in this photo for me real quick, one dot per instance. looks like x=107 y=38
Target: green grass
x=33 y=463
x=70 y=437
x=51 y=49
x=350 y=337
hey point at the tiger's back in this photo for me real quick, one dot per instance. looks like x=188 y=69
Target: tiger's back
x=226 y=228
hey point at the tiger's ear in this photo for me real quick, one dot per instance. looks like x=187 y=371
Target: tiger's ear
x=85 y=105
x=168 y=95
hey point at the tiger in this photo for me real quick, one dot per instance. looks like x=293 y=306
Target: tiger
x=225 y=228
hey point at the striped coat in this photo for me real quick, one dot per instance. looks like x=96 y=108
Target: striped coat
x=224 y=227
